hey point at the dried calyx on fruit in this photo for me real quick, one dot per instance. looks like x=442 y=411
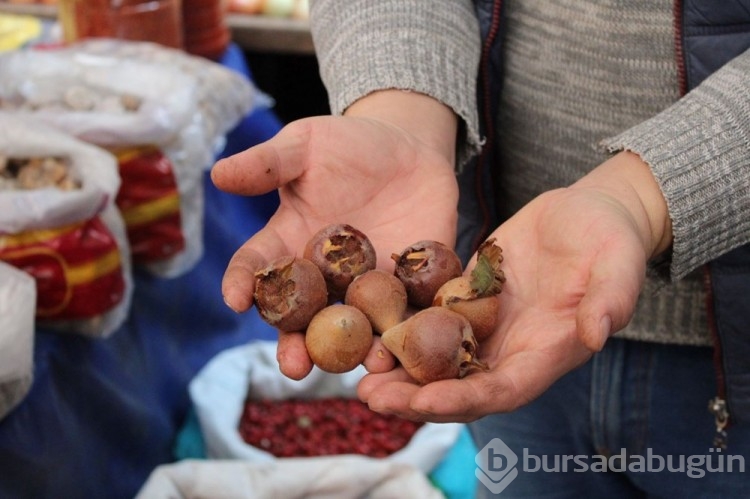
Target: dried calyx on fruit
x=475 y=296
x=342 y=253
x=434 y=344
x=289 y=292
x=425 y=266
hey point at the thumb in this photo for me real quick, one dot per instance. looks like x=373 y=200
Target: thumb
x=266 y=166
x=609 y=302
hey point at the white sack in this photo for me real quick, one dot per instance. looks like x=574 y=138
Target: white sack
x=17 y=306
x=218 y=393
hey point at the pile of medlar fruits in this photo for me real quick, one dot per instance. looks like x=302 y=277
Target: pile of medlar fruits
x=429 y=315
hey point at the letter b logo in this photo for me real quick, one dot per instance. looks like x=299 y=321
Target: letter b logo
x=496 y=465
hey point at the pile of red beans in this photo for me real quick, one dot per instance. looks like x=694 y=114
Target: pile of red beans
x=319 y=427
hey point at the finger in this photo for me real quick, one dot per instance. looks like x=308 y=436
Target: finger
x=515 y=382
x=610 y=299
x=370 y=382
x=238 y=283
x=379 y=359
x=266 y=166
x=467 y=399
x=294 y=361
x=390 y=393
x=395 y=392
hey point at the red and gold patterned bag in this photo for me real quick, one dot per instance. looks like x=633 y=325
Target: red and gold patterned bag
x=77 y=268
x=149 y=203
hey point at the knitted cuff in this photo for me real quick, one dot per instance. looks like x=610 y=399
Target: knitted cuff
x=427 y=47
x=698 y=150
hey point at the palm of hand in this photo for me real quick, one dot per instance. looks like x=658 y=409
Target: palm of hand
x=351 y=170
x=571 y=258
x=363 y=172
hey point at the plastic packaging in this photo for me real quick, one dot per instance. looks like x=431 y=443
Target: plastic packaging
x=138 y=111
x=72 y=242
x=163 y=112
x=17 y=304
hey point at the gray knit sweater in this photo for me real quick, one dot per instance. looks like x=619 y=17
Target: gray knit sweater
x=583 y=79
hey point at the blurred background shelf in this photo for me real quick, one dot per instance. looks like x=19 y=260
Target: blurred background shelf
x=270 y=34
x=32 y=9
x=251 y=32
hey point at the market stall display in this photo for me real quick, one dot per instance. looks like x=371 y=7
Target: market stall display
x=17 y=30
x=102 y=413
x=221 y=389
x=58 y=222
x=150 y=106
x=296 y=9
x=157 y=21
x=214 y=455
x=109 y=412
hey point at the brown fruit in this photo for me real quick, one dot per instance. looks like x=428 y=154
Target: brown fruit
x=381 y=296
x=342 y=253
x=475 y=296
x=338 y=338
x=425 y=266
x=434 y=344
x=457 y=295
x=289 y=292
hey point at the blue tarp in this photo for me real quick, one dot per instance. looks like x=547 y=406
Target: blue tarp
x=103 y=413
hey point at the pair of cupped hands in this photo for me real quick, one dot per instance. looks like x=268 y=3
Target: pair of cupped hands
x=574 y=258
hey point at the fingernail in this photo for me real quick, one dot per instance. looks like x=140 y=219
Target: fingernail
x=605 y=328
x=226 y=302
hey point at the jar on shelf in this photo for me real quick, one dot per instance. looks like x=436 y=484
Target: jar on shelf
x=205 y=31
x=158 y=21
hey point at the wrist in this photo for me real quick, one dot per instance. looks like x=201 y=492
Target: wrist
x=628 y=178
x=425 y=118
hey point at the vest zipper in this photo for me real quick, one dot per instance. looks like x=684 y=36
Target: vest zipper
x=678 y=47
x=488 y=120
x=717 y=406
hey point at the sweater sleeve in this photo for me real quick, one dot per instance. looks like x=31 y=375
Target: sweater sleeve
x=431 y=47
x=699 y=152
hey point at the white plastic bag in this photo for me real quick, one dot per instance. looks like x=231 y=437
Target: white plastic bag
x=218 y=393
x=135 y=109
x=342 y=477
x=82 y=94
x=217 y=99
x=222 y=96
x=75 y=240
x=17 y=305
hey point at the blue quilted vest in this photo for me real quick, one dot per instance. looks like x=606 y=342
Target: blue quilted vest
x=707 y=35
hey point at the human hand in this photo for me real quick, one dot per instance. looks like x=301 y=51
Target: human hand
x=391 y=178
x=575 y=263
